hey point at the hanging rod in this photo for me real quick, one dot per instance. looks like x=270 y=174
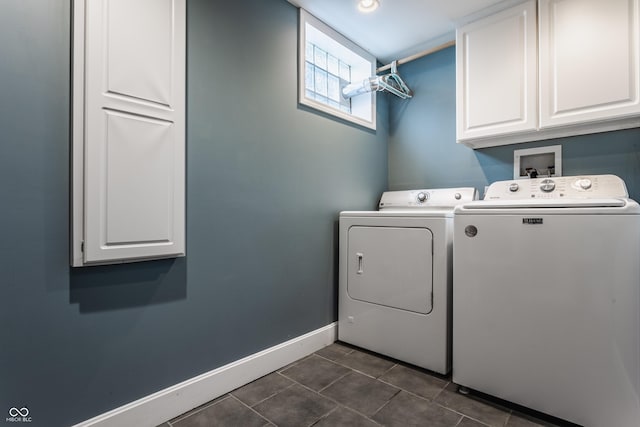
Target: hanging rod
x=417 y=55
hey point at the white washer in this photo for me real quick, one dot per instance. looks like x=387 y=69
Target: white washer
x=395 y=276
x=546 y=298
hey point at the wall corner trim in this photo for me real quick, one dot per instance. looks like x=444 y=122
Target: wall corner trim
x=173 y=401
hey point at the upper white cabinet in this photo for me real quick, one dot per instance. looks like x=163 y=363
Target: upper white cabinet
x=128 y=130
x=497 y=71
x=582 y=77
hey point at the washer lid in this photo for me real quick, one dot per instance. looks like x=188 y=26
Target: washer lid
x=547 y=203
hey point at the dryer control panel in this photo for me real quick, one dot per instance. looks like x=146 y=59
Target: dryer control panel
x=427 y=199
x=570 y=187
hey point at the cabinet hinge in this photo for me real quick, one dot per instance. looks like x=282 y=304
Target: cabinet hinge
x=82 y=246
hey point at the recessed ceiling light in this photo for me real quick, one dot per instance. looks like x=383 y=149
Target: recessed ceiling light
x=368 y=5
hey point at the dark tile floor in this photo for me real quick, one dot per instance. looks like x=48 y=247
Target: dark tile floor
x=341 y=385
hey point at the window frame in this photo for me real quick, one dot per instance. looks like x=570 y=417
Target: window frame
x=363 y=107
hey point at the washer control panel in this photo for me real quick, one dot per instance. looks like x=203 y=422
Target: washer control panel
x=431 y=199
x=572 y=187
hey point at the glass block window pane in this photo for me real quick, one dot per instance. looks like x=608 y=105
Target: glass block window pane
x=334 y=87
x=325 y=76
x=321 y=81
x=332 y=65
x=308 y=52
x=345 y=71
x=308 y=77
x=320 y=58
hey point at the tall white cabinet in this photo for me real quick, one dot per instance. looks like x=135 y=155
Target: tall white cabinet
x=548 y=68
x=128 y=130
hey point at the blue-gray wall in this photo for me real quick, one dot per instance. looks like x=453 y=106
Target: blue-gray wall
x=422 y=144
x=265 y=182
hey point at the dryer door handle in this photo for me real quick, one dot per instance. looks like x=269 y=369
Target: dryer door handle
x=360 y=256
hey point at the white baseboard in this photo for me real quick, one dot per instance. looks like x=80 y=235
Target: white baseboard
x=169 y=403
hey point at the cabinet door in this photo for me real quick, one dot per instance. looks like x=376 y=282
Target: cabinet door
x=589 y=60
x=496 y=74
x=134 y=129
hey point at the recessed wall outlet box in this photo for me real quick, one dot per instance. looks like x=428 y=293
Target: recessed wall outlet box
x=537 y=162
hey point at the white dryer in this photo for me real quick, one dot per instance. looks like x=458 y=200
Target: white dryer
x=395 y=276
x=546 y=298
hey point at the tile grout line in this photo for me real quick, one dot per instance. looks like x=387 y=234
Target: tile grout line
x=387 y=371
x=292 y=364
x=354 y=369
x=387 y=402
x=324 y=416
x=202 y=407
x=462 y=414
x=509 y=417
x=428 y=399
x=268 y=397
x=309 y=388
x=441 y=391
x=253 y=410
x=472 y=419
x=393 y=361
x=500 y=408
x=333 y=382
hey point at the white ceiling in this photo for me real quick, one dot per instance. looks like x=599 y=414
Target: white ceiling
x=398 y=28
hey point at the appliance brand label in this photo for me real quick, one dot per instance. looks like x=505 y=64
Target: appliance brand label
x=532 y=220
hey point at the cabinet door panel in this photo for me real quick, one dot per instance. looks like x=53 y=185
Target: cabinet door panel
x=588 y=60
x=138 y=189
x=134 y=134
x=497 y=73
x=140 y=53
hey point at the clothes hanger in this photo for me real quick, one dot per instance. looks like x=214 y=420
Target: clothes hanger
x=391 y=82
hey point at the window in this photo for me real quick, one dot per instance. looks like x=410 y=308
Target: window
x=328 y=62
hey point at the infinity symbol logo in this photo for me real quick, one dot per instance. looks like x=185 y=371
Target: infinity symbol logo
x=14 y=412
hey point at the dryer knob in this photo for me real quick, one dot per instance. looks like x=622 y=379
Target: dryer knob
x=458 y=196
x=513 y=187
x=422 y=197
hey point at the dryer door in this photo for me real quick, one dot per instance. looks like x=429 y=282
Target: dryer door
x=391 y=266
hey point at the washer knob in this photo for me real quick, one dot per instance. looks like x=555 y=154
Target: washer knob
x=585 y=183
x=458 y=196
x=513 y=187
x=422 y=197
x=547 y=185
